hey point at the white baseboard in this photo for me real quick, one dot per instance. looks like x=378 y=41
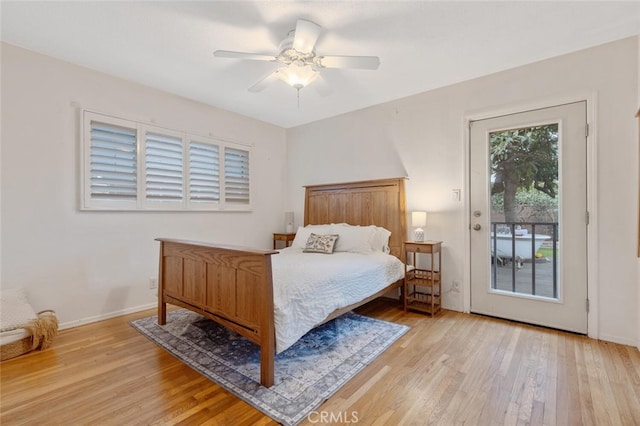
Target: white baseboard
x=84 y=321
x=618 y=339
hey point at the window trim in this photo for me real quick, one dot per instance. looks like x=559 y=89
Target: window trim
x=87 y=203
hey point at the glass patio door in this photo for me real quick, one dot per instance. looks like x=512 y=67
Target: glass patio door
x=528 y=217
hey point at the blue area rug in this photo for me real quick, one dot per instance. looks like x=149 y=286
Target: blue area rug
x=306 y=374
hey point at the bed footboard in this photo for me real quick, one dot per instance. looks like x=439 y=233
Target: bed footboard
x=230 y=285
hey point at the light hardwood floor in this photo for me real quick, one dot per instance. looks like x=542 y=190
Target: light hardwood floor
x=450 y=370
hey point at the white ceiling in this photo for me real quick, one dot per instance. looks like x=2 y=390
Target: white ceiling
x=422 y=45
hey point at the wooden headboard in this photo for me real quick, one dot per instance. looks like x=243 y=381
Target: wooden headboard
x=372 y=202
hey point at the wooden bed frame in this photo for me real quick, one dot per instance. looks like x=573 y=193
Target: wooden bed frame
x=233 y=285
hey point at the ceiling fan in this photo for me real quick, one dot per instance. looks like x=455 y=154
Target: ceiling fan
x=301 y=65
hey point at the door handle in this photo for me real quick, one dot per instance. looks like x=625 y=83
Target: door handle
x=477 y=227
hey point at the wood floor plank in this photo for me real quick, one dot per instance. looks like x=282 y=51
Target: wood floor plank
x=451 y=369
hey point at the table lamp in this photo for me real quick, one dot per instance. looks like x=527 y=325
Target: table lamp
x=418 y=220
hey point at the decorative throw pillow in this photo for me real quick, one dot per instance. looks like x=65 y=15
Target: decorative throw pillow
x=320 y=243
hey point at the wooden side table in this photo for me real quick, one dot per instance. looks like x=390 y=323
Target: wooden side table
x=287 y=238
x=423 y=287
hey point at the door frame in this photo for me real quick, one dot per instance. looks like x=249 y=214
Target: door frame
x=592 y=194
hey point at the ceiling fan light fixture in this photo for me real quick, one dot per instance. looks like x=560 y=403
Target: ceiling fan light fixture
x=297 y=76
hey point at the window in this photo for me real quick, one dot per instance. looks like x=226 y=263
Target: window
x=236 y=176
x=163 y=167
x=204 y=173
x=114 y=158
x=135 y=166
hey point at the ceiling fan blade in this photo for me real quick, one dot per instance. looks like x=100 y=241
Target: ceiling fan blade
x=262 y=84
x=242 y=55
x=358 y=62
x=307 y=34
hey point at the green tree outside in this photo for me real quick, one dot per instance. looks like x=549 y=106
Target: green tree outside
x=524 y=169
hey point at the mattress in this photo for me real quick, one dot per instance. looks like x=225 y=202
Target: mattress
x=308 y=287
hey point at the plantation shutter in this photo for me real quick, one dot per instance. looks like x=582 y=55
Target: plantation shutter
x=163 y=167
x=128 y=165
x=236 y=176
x=113 y=162
x=204 y=173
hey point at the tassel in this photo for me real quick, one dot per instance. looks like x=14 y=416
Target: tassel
x=43 y=330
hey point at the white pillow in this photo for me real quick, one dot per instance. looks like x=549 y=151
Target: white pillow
x=15 y=310
x=304 y=232
x=380 y=240
x=353 y=238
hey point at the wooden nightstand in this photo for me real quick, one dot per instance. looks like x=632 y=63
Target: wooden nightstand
x=286 y=237
x=423 y=287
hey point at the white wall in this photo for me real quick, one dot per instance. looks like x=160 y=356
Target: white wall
x=423 y=137
x=90 y=265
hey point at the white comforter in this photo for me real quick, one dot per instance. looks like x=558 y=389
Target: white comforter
x=309 y=286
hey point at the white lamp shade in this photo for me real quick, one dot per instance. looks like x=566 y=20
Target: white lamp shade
x=419 y=219
x=288 y=221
